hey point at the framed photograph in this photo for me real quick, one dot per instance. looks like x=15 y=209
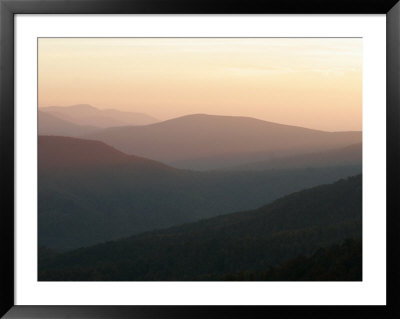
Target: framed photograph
x=172 y=159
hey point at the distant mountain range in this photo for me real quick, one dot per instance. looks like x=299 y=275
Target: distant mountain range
x=89 y=192
x=87 y=115
x=210 y=142
x=250 y=241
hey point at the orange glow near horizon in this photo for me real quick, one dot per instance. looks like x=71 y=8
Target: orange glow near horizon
x=309 y=82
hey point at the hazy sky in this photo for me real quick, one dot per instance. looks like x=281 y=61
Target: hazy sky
x=315 y=83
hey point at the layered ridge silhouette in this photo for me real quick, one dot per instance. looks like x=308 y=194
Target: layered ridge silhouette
x=90 y=192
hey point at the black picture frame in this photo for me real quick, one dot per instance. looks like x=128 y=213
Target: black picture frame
x=9 y=8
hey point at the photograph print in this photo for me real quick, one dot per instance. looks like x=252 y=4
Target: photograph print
x=199 y=159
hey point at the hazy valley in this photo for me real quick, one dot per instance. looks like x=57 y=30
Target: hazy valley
x=104 y=194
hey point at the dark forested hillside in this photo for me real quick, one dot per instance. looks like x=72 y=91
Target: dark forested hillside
x=340 y=262
x=90 y=192
x=250 y=241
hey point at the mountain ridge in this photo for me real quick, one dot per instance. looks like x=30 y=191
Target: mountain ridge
x=204 y=136
x=84 y=153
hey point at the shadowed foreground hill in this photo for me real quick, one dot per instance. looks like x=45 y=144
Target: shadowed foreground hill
x=252 y=241
x=208 y=141
x=89 y=192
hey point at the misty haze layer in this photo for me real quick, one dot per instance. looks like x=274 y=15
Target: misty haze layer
x=308 y=82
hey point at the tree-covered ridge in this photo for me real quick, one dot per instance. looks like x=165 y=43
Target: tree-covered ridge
x=252 y=241
x=339 y=262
